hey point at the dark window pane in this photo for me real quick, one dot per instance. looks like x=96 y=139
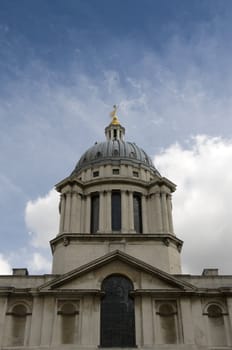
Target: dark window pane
x=115 y=171
x=137 y=213
x=94 y=213
x=135 y=174
x=95 y=173
x=116 y=211
x=117 y=313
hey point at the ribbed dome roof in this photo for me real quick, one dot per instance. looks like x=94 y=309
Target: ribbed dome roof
x=114 y=152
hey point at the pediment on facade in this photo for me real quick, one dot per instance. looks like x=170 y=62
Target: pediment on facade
x=89 y=277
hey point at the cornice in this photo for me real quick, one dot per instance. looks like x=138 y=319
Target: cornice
x=166 y=238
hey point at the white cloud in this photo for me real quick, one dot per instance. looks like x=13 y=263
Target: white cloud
x=202 y=203
x=41 y=216
x=5 y=268
x=39 y=263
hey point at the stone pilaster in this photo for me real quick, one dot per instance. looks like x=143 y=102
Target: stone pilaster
x=47 y=323
x=187 y=321
x=229 y=332
x=147 y=322
x=3 y=306
x=36 y=321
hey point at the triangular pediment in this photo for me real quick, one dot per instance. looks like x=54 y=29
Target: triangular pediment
x=90 y=276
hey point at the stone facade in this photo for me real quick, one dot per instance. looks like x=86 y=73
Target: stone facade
x=116 y=279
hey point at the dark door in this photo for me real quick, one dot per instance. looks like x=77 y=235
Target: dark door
x=117 y=313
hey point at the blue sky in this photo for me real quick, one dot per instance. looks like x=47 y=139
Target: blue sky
x=63 y=64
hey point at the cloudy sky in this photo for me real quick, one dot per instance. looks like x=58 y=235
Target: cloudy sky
x=63 y=64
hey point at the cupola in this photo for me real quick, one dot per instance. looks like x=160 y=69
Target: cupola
x=114 y=131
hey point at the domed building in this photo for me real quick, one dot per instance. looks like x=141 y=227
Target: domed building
x=116 y=279
x=116 y=199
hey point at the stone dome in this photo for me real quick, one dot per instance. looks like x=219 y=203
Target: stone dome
x=114 y=152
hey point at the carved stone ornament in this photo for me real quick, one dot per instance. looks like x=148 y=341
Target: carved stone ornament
x=166 y=242
x=65 y=241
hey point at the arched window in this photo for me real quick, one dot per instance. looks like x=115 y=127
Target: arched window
x=137 y=213
x=168 y=323
x=19 y=317
x=216 y=325
x=68 y=323
x=116 y=210
x=94 y=213
x=117 y=313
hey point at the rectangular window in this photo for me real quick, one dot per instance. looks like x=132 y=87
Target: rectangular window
x=137 y=213
x=115 y=171
x=95 y=213
x=135 y=174
x=116 y=211
x=95 y=173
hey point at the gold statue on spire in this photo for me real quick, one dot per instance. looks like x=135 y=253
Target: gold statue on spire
x=114 y=117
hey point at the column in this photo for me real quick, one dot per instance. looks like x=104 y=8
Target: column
x=124 y=208
x=74 y=213
x=158 y=213
x=82 y=214
x=67 y=212
x=108 y=212
x=78 y=213
x=62 y=212
x=144 y=213
x=102 y=212
x=164 y=211
x=87 y=213
x=131 y=212
x=169 y=208
x=187 y=321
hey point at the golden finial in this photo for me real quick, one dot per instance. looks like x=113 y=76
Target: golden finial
x=114 y=117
